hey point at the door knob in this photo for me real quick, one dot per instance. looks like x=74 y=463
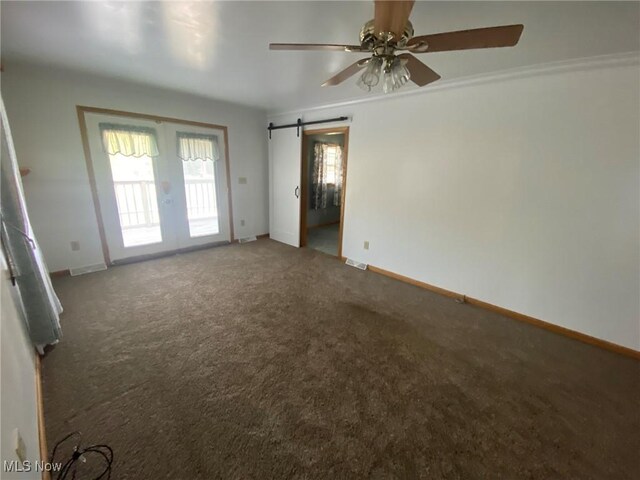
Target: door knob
x=297 y=192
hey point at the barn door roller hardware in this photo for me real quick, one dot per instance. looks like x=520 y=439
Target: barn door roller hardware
x=300 y=123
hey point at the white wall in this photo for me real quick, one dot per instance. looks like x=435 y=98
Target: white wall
x=522 y=192
x=41 y=105
x=17 y=380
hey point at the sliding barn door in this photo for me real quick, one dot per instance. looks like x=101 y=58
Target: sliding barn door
x=284 y=184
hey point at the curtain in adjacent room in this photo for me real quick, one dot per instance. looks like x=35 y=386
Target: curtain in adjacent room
x=24 y=257
x=326 y=171
x=129 y=140
x=337 y=190
x=195 y=146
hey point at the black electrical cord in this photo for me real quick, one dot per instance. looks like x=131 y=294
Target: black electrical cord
x=70 y=467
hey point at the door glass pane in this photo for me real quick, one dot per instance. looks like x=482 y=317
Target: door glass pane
x=134 y=184
x=200 y=191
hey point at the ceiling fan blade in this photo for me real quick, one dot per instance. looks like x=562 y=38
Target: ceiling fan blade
x=327 y=47
x=391 y=17
x=421 y=75
x=491 y=37
x=346 y=73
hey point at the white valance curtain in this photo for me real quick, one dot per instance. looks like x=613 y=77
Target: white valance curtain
x=327 y=172
x=133 y=141
x=128 y=140
x=24 y=257
x=195 y=146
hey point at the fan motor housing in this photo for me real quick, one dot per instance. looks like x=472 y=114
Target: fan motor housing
x=369 y=38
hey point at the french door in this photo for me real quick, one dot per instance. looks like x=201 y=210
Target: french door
x=161 y=186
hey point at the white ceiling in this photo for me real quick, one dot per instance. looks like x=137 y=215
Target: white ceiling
x=220 y=49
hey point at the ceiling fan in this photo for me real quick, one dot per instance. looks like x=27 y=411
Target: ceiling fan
x=390 y=32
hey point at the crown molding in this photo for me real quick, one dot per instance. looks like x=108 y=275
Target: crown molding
x=577 y=64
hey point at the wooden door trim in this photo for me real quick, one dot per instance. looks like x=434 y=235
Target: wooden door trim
x=303 y=181
x=345 y=155
x=82 y=109
x=145 y=116
x=92 y=183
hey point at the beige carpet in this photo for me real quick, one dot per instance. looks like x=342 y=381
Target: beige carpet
x=262 y=361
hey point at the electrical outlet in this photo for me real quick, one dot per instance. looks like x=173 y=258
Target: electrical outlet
x=242 y=180
x=242 y=223
x=366 y=244
x=75 y=245
x=19 y=446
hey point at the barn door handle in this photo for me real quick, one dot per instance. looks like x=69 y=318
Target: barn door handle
x=297 y=192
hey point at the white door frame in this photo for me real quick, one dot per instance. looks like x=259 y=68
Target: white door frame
x=82 y=110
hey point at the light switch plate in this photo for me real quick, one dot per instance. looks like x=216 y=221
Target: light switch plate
x=366 y=245
x=242 y=180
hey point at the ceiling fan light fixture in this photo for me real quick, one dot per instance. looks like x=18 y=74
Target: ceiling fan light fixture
x=371 y=75
x=396 y=75
x=391 y=32
x=362 y=85
x=400 y=71
x=388 y=84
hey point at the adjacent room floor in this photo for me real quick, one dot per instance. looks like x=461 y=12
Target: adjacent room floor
x=324 y=239
x=264 y=361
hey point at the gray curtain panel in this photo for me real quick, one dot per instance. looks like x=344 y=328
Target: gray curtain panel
x=319 y=193
x=40 y=303
x=324 y=175
x=337 y=190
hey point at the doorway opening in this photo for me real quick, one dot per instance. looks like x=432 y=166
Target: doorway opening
x=324 y=175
